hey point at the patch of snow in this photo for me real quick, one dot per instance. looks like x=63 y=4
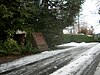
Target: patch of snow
x=75 y=44
x=80 y=64
x=20 y=32
x=69 y=44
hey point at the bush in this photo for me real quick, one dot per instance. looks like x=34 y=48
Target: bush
x=77 y=38
x=10 y=47
x=26 y=49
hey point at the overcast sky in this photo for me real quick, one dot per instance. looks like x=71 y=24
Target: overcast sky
x=90 y=14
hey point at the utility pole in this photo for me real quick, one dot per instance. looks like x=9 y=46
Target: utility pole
x=78 y=23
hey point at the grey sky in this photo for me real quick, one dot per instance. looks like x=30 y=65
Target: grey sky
x=90 y=14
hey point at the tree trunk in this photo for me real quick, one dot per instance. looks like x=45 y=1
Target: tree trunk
x=45 y=4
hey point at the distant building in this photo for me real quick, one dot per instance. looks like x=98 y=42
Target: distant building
x=70 y=30
x=83 y=30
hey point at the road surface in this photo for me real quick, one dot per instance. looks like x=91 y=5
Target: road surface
x=50 y=64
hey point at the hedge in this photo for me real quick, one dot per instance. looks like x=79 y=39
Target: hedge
x=77 y=38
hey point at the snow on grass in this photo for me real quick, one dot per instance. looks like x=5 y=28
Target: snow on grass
x=76 y=44
x=77 y=66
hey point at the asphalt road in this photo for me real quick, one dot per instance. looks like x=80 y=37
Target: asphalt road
x=49 y=65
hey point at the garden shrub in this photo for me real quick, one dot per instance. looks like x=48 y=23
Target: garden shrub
x=77 y=38
x=27 y=48
x=10 y=47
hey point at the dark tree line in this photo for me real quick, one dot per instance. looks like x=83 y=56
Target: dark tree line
x=46 y=16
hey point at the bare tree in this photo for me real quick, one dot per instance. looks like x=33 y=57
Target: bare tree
x=85 y=29
x=98 y=6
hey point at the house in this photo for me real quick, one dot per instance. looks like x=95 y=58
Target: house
x=70 y=30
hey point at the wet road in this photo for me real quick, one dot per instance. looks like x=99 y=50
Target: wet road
x=49 y=65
